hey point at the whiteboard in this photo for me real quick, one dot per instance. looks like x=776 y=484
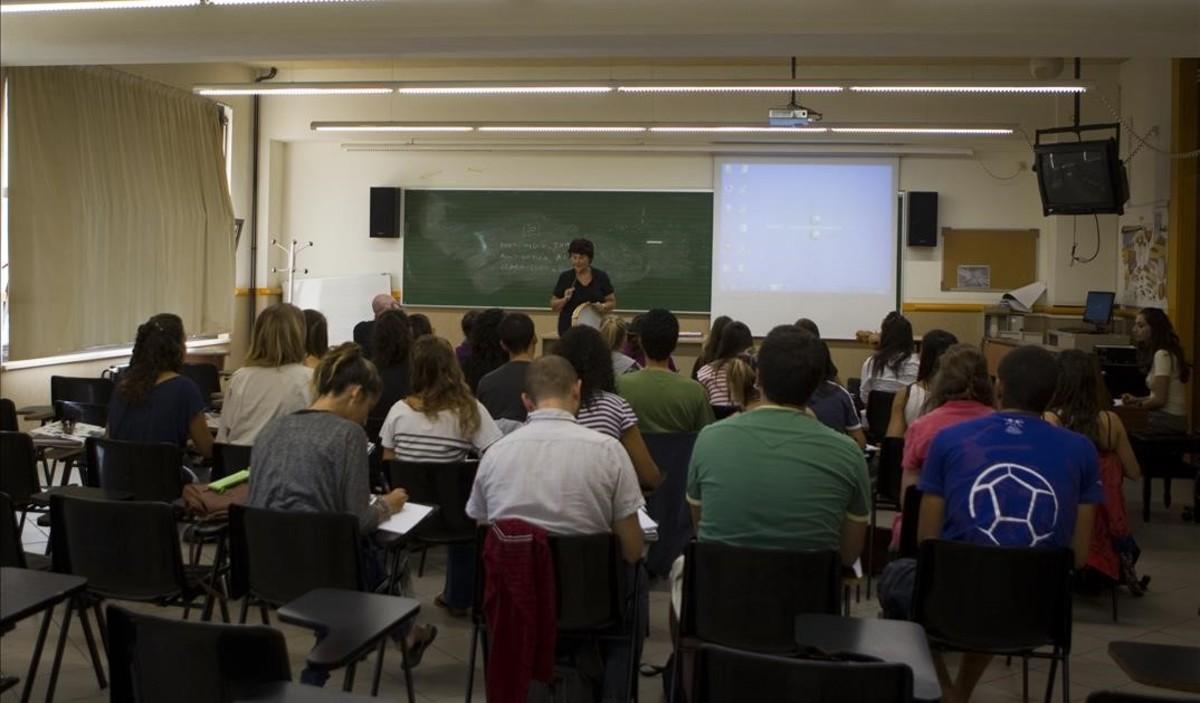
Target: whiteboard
x=343 y=300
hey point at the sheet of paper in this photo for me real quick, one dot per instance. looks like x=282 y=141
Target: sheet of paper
x=408 y=517
x=649 y=526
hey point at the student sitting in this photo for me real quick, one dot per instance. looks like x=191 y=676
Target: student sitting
x=315 y=460
x=274 y=380
x=1077 y=405
x=363 y=330
x=614 y=330
x=735 y=339
x=775 y=477
x=392 y=339
x=487 y=354
x=743 y=383
x=565 y=479
x=316 y=337
x=419 y=325
x=1166 y=372
x=708 y=352
x=663 y=401
x=463 y=351
x=894 y=365
x=600 y=408
x=500 y=391
x=909 y=403
x=633 y=344
x=1014 y=442
x=153 y=402
x=832 y=404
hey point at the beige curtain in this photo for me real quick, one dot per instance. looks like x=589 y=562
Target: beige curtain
x=118 y=209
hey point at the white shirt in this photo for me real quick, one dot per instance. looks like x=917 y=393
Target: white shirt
x=888 y=380
x=915 y=406
x=415 y=437
x=1164 y=365
x=555 y=474
x=258 y=394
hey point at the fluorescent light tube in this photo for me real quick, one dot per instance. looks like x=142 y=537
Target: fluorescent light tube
x=741 y=130
x=23 y=7
x=978 y=131
x=730 y=88
x=968 y=89
x=318 y=127
x=284 y=89
x=561 y=128
x=502 y=89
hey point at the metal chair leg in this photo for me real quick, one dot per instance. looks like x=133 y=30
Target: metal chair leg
x=37 y=653
x=262 y=611
x=1066 y=676
x=379 y=666
x=91 y=643
x=348 y=679
x=1024 y=679
x=471 y=662
x=408 y=681
x=1050 y=679
x=58 y=652
x=245 y=610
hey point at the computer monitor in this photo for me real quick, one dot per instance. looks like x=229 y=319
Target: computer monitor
x=1099 y=307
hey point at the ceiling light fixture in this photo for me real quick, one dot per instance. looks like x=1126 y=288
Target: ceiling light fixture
x=28 y=7
x=736 y=129
x=975 y=131
x=276 y=2
x=292 y=89
x=501 y=89
x=367 y=127
x=731 y=87
x=562 y=128
x=969 y=88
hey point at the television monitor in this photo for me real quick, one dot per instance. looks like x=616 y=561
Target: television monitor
x=1081 y=178
x=1098 y=308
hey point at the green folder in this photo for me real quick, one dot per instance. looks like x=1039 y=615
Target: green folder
x=220 y=486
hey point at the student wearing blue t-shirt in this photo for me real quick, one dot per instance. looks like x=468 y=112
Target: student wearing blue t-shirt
x=1010 y=479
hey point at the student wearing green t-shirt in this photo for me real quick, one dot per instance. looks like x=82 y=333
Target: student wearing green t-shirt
x=663 y=400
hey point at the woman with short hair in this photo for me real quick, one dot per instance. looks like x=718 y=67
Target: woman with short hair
x=581 y=284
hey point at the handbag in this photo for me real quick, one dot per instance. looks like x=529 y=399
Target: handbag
x=207 y=505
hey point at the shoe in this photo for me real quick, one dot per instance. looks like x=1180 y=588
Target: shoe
x=453 y=612
x=417 y=650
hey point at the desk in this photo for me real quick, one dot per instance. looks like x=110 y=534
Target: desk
x=892 y=641
x=36 y=413
x=1161 y=456
x=1160 y=665
x=43 y=498
x=24 y=593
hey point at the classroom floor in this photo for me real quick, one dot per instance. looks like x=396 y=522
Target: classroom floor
x=1167 y=614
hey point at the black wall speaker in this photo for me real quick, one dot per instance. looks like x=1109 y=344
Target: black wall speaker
x=922 y=219
x=387 y=205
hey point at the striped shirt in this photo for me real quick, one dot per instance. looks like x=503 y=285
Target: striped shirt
x=413 y=436
x=716 y=383
x=607 y=413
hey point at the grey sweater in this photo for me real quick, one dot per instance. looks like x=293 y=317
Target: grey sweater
x=313 y=461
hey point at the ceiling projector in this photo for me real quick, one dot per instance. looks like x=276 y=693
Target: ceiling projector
x=792 y=115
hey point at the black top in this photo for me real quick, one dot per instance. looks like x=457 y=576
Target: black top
x=500 y=391
x=165 y=415
x=595 y=292
x=364 y=333
x=395 y=388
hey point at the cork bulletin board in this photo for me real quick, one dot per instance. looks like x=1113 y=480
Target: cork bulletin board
x=988 y=259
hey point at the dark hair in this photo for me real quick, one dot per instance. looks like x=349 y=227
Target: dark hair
x=549 y=377
x=159 y=348
x=343 y=366
x=933 y=345
x=419 y=325
x=962 y=375
x=791 y=364
x=658 y=333
x=831 y=369
x=1077 y=397
x=468 y=321
x=1163 y=336
x=391 y=338
x=1029 y=375
x=709 y=351
x=809 y=326
x=734 y=340
x=582 y=246
x=316 y=333
x=591 y=358
x=516 y=332
x=895 y=344
x=486 y=353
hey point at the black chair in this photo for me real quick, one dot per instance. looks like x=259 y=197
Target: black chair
x=667 y=505
x=228 y=459
x=12 y=552
x=207 y=378
x=854 y=386
x=157 y=659
x=722 y=674
x=885 y=494
x=879 y=414
x=721 y=412
x=375 y=463
x=997 y=600
x=18 y=472
x=445 y=486
x=150 y=471
x=908 y=526
x=8 y=416
x=1161 y=456
x=87 y=413
x=97 y=391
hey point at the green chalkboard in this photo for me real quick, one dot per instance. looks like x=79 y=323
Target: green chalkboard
x=506 y=248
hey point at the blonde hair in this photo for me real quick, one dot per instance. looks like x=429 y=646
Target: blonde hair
x=614 y=330
x=438 y=384
x=343 y=366
x=742 y=377
x=278 y=337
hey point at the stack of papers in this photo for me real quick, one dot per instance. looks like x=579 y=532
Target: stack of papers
x=52 y=435
x=649 y=526
x=408 y=517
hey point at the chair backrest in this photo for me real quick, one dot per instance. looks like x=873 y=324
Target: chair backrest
x=206 y=377
x=375 y=463
x=8 y=416
x=448 y=486
x=11 y=551
x=993 y=598
x=76 y=411
x=279 y=555
x=229 y=459
x=150 y=471
x=891 y=454
x=854 y=386
x=18 y=467
x=722 y=674
x=125 y=549
x=908 y=526
x=667 y=505
x=749 y=598
x=97 y=391
x=879 y=413
x=721 y=412
x=590 y=580
x=162 y=659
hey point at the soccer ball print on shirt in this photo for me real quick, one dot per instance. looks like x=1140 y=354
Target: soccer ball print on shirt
x=1014 y=505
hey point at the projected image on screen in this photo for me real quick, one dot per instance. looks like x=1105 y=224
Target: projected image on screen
x=805 y=238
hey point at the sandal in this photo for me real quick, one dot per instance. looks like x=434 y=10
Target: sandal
x=454 y=612
x=417 y=649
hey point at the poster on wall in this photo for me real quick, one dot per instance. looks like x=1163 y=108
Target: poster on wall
x=1144 y=263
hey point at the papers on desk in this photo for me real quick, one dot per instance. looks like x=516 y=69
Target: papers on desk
x=213 y=420
x=52 y=435
x=649 y=526
x=408 y=517
x=856 y=567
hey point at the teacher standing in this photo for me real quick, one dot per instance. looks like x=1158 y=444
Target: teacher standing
x=581 y=284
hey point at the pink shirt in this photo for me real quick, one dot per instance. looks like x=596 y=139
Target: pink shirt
x=921 y=432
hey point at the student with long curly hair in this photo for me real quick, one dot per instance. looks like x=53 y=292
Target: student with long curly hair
x=153 y=402
x=1166 y=371
x=392 y=339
